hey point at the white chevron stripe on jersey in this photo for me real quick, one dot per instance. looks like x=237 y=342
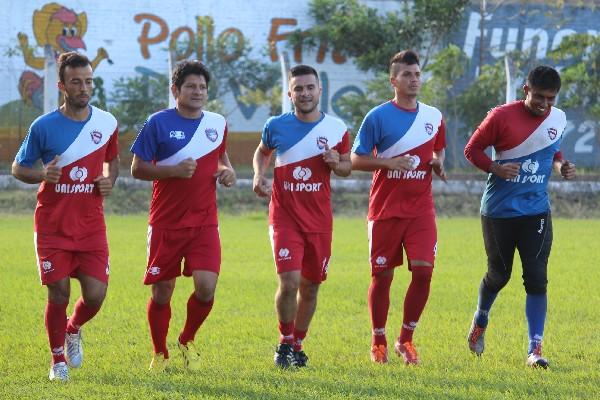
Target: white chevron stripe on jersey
x=331 y=128
x=417 y=133
x=200 y=144
x=549 y=131
x=94 y=134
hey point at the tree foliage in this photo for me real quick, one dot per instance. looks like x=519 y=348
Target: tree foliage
x=371 y=38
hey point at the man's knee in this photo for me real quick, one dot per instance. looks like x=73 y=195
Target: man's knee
x=59 y=292
x=309 y=290
x=496 y=280
x=535 y=282
x=162 y=291
x=289 y=283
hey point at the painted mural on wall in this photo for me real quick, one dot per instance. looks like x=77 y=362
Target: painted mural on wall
x=140 y=36
x=56 y=29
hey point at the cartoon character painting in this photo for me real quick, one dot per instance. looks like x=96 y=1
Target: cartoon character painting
x=57 y=29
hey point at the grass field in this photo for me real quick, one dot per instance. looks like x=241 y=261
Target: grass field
x=237 y=340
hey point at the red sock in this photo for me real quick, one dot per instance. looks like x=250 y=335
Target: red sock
x=298 y=338
x=197 y=311
x=81 y=314
x=159 y=316
x=286 y=330
x=415 y=300
x=56 y=325
x=379 y=304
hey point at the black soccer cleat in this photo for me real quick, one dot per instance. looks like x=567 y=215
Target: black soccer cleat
x=300 y=359
x=284 y=355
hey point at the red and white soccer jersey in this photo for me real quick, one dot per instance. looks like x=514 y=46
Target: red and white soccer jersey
x=167 y=139
x=389 y=131
x=71 y=208
x=301 y=196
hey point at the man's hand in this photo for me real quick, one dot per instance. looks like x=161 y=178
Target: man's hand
x=567 y=170
x=261 y=186
x=225 y=176
x=505 y=171
x=438 y=168
x=104 y=185
x=402 y=163
x=331 y=157
x=52 y=171
x=186 y=168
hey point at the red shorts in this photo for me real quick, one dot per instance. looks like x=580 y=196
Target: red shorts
x=59 y=257
x=300 y=251
x=388 y=237
x=199 y=246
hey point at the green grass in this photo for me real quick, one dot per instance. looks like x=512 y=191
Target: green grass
x=237 y=340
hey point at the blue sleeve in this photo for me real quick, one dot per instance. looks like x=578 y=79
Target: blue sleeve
x=146 y=144
x=266 y=137
x=366 y=139
x=30 y=150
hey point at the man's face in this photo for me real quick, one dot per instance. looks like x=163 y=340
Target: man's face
x=305 y=93
x=193 y=92
x=77 y=86
x=407 y=81
x=539 y=101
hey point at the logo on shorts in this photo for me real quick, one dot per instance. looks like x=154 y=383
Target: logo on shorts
x=107 y=269
x=211 y=134
x=435 y=249
x=47 y=266
x=322 y=142
x=381 y=261
x=429 y=128
x=284 y=254
x=530 y=166
x=154 y=270
x=301 y=173
x=179 y=135
x=552 y=132
x=96 y=136
x=325 y=266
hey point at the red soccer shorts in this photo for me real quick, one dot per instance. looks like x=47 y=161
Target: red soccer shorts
x=388 y=237
x=59 y=257
x=200 y=247
x=300 y=251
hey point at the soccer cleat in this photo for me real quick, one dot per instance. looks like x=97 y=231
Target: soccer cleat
x=299 y=359
x=159 y=363
x=191 y=357
x=535 y=359
x=284 y=355
x=379 y=353
x=475 y=338
x=408 y=352
x=74 y=349
x=59 y=372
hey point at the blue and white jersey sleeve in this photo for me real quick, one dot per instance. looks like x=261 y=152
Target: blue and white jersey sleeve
x=30 y=150
x=146 y=143
x=367 y=137
x=267 y=137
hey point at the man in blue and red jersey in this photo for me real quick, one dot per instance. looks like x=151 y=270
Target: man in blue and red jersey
x=515 y=209
x=308 y=146
x=183 y=151
x=402 y=141
x=77 y=144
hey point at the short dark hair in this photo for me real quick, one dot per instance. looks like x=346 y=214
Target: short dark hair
x=407 y=57
x=302 y=69
x=544 y=77
x=188 y=67
x=71 y=59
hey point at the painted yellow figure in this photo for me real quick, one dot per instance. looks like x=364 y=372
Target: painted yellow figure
x=57 y=29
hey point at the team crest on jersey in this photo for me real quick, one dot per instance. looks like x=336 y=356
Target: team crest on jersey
x=211 y=134
x=179 y=135
x=429 y=128
x=96 y=136
x=552 y=132
x=321 y=142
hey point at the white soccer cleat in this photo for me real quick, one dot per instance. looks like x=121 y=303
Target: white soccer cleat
x=59 y=372
x=74 y=349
